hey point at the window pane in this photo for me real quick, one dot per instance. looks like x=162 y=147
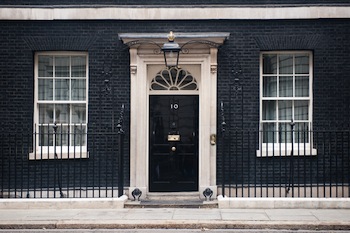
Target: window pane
x=45 y=66
x=269 y=131
x=62 y=66
x=302 y=86
x=286 y=79
x=62 y=136
x=62 y=113
x=60 y=80
x=269 y=110
x=166 y=77
x=270 y=87
x=286 y=86
x=301 y=110
x=187 y=82
x=78 y=114
x=78 y=66
x=269 y=64
x=161 y=82
x=285 y=110
x=45 y=113
x=78 y=89
x=286 y=64
x=45 y=87
x=285 y=133
x=78 y=135
x=301 y=132
x=302 y=64
x=45 y=135
x=62 y=89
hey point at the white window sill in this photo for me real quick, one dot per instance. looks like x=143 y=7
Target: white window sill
x=276 y=152
x=38 y=155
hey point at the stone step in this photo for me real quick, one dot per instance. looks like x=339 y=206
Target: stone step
x=175 y=203
x=172 y=200
x=173 y=195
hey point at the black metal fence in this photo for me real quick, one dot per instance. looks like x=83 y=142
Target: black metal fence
x=286 y=162
x=317 y=165
x=91 y=166
x=319 y=169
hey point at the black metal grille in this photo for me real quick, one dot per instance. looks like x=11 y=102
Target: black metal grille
x=321 y=171
x=42 y=172
x=317 y=165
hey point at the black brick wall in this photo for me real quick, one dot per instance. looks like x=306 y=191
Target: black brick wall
x=238 y=58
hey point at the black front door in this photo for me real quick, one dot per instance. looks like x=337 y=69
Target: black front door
x=173 y=163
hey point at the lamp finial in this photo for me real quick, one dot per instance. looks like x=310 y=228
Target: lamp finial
x=171 y=36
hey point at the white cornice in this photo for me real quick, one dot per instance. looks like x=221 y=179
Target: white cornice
x=217 y=38
x=173 y=13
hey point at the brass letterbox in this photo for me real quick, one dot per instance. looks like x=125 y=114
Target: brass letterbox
x=173 y=138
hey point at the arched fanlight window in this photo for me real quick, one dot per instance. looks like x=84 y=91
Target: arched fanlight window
x=174 y=79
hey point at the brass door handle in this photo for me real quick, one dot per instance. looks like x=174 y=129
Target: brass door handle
x=212 y=139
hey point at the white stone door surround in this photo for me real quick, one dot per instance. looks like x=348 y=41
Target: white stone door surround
x=144 y=57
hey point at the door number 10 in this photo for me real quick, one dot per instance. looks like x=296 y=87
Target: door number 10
x=174 y=106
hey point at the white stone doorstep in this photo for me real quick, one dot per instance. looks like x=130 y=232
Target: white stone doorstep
x=64 y=203
x=282 y=203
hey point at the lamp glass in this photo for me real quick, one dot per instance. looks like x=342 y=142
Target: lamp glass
x=171 y=52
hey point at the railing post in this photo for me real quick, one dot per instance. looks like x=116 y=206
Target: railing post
x=291 y=163
x=58 y=171
x=223 y=129
x=121 y=153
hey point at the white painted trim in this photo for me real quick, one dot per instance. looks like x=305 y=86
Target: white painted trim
x=63 y=152
x=64 y=203
x=173 y=12
x=78 y=154
x=139 y=141
x=283 y=203
x=284 y=149
x=143 y=65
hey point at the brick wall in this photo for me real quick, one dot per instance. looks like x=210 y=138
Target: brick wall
x=238 y=58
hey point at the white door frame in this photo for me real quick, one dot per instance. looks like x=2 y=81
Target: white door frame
x=140 y=58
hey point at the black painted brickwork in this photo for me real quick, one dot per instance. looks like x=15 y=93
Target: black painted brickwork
x=238 y=58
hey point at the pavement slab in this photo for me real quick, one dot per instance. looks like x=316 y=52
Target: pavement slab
x=291 y=215
x=165 y=230
x=332 y=215
x=240 y=215
x=194 y=214
x=176 y=218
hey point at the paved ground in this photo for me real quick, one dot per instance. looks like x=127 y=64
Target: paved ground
x=304 y=219
x=166 y=231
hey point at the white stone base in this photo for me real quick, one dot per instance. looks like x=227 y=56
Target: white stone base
x=64 y=203
x=283 y=203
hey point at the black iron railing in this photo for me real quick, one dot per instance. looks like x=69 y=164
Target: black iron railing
x=282 y=158
x=317 y=165
x=75 y=164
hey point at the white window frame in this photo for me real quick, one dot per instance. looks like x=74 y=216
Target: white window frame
x=285 y=149
x=64 y=151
